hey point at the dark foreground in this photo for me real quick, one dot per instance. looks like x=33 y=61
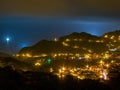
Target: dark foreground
x=18 y=80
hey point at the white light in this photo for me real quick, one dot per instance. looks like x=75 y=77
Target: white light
x=114 y=49
x=80 y=58
x=7 y=39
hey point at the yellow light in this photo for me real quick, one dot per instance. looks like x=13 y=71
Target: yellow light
x=23 y=55
x=60 y=71
x=59 y=76
x=101 y=76
x=51 y=70
x=59 y=54
x=66 y=54
x=75 y=69
x=77 y=55
x=78 y=77
x=90 y=68
x=106 y=36
x=72 y=57
x=36 y=56
x=28 y=55
x=17 y=55
x=89 y=51
x=112 y=37
x=67 y=40
x=82 y=77
x=101 y=62
x=63 y=68
x=119 y=38
x=63 y=76
x=97 y=41
x=71 y=70
x=112 y=61
x=107 y=65
x=76 y=47
x=44 y=55
x=55 y=55
x=65 y=44
x=55 y=39
x=37 y=64
x=75 y=40
x=87 y=56
x=106 y=56
x=87 y=66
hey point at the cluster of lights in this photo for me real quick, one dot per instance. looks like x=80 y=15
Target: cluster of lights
x=30 y=56
x=101 y=71
x=103 y=55
x=97 y=41
x=72 y=56
x=112 y=37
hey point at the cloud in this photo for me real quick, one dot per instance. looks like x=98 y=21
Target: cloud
x=61 y=7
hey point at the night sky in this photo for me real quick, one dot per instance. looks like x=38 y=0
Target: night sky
x=25 y=22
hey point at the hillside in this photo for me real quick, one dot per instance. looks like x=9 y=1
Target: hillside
x=73 y=43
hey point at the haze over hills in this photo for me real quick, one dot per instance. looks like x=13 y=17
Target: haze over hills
x=76 y=43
